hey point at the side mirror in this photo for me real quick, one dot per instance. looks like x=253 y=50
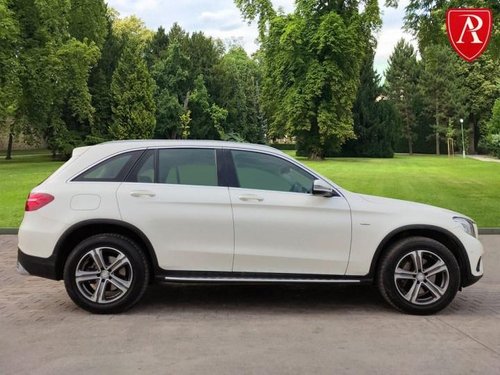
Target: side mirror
x=321 y=188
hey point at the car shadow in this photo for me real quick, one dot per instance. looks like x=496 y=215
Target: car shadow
x=262 y=298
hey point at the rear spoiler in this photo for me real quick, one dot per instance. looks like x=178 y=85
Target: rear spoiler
x=79 y=151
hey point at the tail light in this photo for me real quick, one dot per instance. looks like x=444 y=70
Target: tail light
x=36 y=201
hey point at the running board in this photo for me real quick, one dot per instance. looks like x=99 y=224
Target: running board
x=215 y=279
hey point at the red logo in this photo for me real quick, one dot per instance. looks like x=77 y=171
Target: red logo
x=469 y=31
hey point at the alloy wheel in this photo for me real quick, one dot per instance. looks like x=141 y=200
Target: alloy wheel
x=104 y=275
x=421 y=277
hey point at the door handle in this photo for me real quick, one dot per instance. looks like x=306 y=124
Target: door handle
x=142 y=193
x=250 y=197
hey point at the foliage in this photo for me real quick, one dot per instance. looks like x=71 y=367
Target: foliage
x=493 y=131
x=441 y=90
x=132 y=90
x=375 y=118
x=237 y=90
x=402 y=77
x=312 y=60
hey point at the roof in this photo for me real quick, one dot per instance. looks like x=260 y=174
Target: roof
x=125 y=144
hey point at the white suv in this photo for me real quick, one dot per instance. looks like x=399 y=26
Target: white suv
x=120 y=215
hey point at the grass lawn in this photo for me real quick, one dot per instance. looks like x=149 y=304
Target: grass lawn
x=17 y=178
x=468 y=186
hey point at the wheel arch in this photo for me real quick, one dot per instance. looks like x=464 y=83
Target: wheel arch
x=441 y=235
x=78 y=232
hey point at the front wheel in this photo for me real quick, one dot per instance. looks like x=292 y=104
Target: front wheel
x=419 y=275
x=106 y=274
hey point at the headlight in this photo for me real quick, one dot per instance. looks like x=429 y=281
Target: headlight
x=467 y=225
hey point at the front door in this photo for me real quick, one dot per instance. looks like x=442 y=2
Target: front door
x=279 y=225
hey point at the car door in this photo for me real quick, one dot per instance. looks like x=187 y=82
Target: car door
x=173 y=196
x=279 y=225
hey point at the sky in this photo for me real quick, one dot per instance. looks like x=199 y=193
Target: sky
x=221 y=19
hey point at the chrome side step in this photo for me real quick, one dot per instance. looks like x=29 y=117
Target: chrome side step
x=214 y=279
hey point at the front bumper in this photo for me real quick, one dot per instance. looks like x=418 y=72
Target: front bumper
x=42 y=267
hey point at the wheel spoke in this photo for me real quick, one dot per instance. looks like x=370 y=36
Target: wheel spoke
x=416 y=257
x=413 y=292
x=98 y=259
x=118 y=263
x=404 y=274
x=82 y=276
x=436 y=268
x=100 y=290
x=434 y=289
x=120 y=284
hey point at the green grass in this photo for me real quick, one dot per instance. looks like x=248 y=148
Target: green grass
x=468 y=186
x=17 y=178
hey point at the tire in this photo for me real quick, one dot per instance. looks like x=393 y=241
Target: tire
x=113 y=274
x=418 y=276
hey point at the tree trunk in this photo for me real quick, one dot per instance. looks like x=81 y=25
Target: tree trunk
x=438 y=151
x=9 y=146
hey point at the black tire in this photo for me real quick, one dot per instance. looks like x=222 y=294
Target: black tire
x=132 y=277
x=416 y=294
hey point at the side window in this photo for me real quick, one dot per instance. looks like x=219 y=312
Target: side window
x=187 y=167
x=266 y=172
x=113 y=169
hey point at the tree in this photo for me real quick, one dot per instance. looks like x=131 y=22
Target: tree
x=207 y=117
x=312 y=61
x=401 y=87
x=237 y=90
x=88 y=21
x=156 y=47
x=426 y=20
x=57 y=65
x=173 y=88
x=375 y=118
x=493 y=131
x=10 y=89
x=440 y=87
x=132 y=90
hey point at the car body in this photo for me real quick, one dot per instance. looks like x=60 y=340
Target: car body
x=211 y=211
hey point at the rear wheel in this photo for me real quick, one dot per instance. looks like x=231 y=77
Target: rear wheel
x=419 y=275
x=106 y=274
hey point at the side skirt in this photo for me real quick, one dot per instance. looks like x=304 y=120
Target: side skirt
x=256 y=278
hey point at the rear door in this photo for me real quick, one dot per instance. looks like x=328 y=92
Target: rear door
x=173 y=196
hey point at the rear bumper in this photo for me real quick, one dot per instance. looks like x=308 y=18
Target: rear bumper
x=42 y=267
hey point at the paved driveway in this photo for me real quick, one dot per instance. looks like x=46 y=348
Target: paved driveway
x=246 y=330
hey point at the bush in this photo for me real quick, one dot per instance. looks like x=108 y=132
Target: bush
x=494 y=144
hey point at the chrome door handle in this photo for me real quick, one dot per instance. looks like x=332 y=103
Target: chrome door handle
x=142 y=193
x=250 y=197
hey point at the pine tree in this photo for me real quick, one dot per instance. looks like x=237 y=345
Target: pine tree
x=401 y=86
x=375 y=119
x=132 y=92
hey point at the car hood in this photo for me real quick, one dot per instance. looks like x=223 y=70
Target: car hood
x=402 y=206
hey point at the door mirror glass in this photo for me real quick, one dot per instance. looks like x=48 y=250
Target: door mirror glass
x=323 y=189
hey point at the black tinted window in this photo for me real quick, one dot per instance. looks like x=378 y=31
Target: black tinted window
x=187 y=167
x=266 y=172
x=112 y=169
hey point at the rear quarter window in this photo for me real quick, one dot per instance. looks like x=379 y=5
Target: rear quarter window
x=114 y=169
